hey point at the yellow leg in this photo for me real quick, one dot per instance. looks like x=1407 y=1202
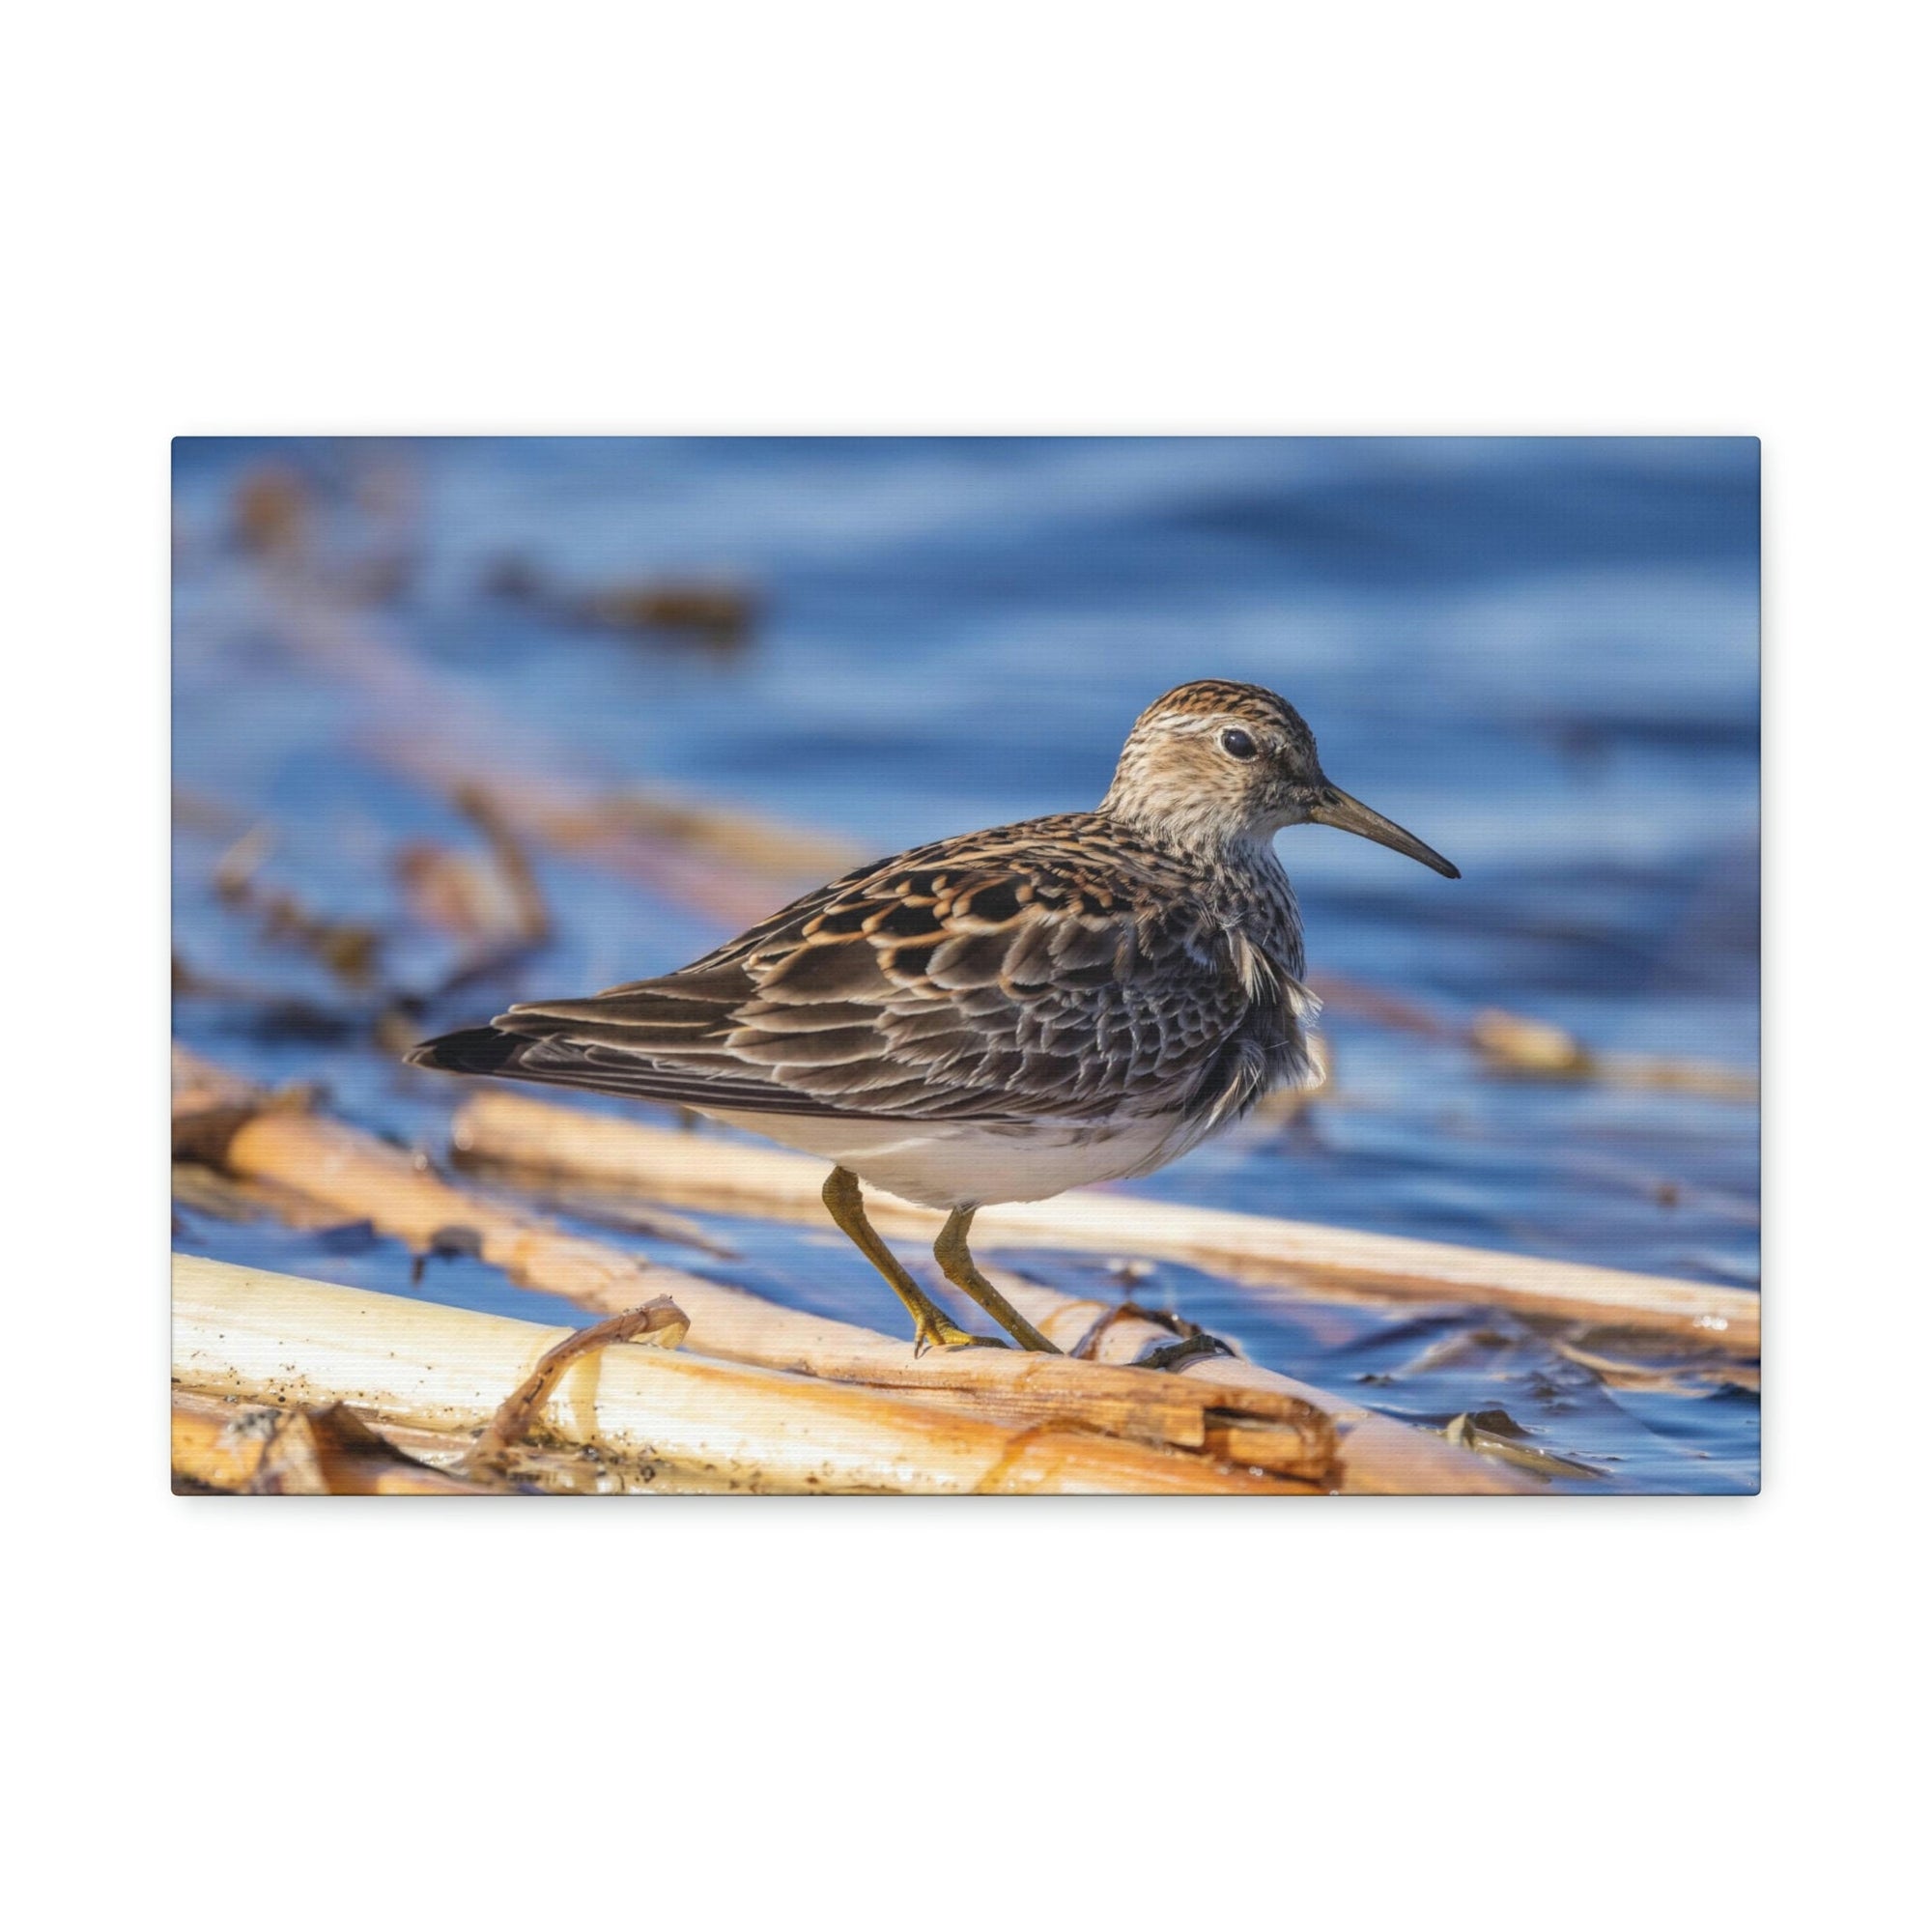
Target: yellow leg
x=951 y=1252
x=931 y=1326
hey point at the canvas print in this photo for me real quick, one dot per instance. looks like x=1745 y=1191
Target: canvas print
x=1039 y=966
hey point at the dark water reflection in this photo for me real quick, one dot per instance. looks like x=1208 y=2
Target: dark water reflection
x=1541 y=656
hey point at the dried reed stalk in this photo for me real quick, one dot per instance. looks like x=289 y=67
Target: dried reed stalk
x=699 y=1170
x=656 y=839
x=221 y=1443
x=295 y=1343
x=1280 y=1425
x=329 y=1452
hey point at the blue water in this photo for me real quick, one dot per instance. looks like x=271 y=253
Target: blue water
x=1540 y=655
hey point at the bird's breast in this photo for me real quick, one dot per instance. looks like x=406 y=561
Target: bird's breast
x=976 y=1163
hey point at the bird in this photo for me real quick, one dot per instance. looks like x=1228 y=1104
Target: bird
x=998 y=1015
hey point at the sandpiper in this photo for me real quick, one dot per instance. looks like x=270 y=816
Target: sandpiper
x=1003 y=1015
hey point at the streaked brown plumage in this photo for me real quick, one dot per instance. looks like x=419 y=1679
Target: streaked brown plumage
x=1003 y=1015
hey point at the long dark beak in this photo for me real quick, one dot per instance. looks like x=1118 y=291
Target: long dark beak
x=1336 y=807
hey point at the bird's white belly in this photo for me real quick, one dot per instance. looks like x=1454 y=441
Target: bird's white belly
x=966 y=1164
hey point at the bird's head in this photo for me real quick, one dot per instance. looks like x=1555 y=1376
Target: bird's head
x=1213 y=763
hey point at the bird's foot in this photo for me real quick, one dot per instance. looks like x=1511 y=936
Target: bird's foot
x=937 y=1332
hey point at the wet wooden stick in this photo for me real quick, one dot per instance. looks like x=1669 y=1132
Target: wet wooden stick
x=704 y=1171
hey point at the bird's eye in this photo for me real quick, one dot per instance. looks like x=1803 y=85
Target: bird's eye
x=1237 y=743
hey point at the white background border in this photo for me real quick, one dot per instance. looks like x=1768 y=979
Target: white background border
x=1473 y=218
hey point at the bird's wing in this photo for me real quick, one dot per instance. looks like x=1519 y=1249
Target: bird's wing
x=1012 y=983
